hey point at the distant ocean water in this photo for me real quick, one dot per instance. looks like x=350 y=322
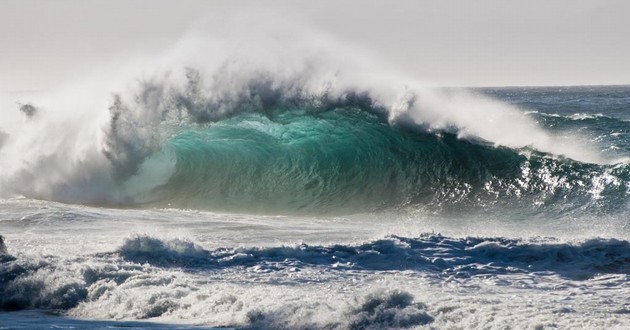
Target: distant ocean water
x=258 y=201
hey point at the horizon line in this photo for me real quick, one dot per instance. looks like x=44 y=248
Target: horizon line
x=436 y=86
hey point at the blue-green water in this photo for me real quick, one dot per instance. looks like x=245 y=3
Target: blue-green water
x=347 y=157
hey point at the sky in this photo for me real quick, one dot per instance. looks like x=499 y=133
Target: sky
x=447 y=42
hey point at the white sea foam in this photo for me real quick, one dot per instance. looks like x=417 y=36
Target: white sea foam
x=439 y=282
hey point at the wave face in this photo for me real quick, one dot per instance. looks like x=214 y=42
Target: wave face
x=350 y=159
x=276 y=149
x=344 y=158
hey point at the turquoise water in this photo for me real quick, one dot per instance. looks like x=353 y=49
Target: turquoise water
x=349 y=158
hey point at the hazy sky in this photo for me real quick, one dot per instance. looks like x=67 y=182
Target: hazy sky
x=462 y=43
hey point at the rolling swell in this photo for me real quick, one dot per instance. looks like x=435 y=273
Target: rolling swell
x=350 y=159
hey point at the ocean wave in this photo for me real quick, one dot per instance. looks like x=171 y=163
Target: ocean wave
x=250 y=139
x=274 y=146
x=50 y=282
x=465 y=257
x=578 y=116
x=148 y=277
x=393 y=309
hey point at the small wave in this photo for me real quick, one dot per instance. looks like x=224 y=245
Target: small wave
x=578 y=116
x=429 y=253
x=393 y=309
x=148 y=277
x=145 y=249
x=583 y=116
x=562 y=119
x=543 y=114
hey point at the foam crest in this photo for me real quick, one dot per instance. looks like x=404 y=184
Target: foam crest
x=479 y=117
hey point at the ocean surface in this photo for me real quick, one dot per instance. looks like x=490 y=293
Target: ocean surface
x=281 y=202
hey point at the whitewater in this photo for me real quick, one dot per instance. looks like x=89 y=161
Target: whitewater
x=295 y=182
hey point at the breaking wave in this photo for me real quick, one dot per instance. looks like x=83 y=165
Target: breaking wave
x=144 y=264
x=463 y=257
x=302 y=133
